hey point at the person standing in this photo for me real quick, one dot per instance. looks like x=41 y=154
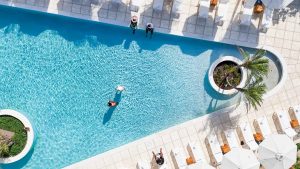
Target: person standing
x=133 y=23
x=149 y=28
x=159 y=157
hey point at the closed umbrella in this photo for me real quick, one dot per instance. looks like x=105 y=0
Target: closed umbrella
x=239 y=158
x=277 y=151
x=276 y=4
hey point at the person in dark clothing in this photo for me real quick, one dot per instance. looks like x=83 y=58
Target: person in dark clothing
x=159 y=158
x=112 y=103
x=133 y=23
x=149 y=28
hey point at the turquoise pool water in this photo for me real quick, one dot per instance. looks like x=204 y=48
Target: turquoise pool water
x=60 y=73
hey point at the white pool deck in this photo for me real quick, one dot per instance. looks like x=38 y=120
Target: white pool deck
x=284 y=36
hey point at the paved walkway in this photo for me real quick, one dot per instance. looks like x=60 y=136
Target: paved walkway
x=284 y=36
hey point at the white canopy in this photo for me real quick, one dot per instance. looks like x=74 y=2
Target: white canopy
x=276 y=4
x=239 y=158
x=277 y=151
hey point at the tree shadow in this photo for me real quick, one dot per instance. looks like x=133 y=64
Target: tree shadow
x=81 y=32
x=290 y=11
x=108 y=114
x=213 y=104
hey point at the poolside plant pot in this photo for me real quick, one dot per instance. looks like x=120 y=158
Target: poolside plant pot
x=30 y=136
x=211 y=73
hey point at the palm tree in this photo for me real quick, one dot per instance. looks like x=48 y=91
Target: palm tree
x=253 y=93
x=257 y=67
x=256 y=64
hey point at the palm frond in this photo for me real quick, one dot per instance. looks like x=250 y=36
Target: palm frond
x=255 y=64
x=254 y=92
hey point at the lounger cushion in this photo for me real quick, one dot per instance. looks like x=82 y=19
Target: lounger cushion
x=190 y=161
x=258 y=137
x=225 y=148
x=294 y=123
x=213 y=2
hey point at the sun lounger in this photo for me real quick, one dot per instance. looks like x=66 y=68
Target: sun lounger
x=284 y=123
x=214 y=148
x=135 y=5
x=200 y=166
x=230 y=138
x=295 y=116
x=266 y=20
x=221 y=12
x=245 y=16
x=196 y=153
x=179 y=158
x=143 y=165
x=244 y=129
x=158 y=5
x=203 y=8
x=177 y=8
x=263 y=127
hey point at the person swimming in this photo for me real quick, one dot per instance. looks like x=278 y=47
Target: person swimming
x=133 y=23
x=120 y=88
x=149 y=28
x=112 y=103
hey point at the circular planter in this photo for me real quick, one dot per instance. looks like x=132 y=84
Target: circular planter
x=30 y=135
x=211 y=72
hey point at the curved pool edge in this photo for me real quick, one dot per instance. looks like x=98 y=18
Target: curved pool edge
x=284 y=73
x=30 y=136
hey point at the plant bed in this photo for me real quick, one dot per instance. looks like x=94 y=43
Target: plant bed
x=229 y=75
x=225 y=76
x=19 y=138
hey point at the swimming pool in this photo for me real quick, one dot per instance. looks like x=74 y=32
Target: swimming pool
x=60 y=72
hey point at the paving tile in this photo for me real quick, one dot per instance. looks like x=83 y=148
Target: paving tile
x=67 y=7
x=76 y=8
x=234 y=35
x=164 y=24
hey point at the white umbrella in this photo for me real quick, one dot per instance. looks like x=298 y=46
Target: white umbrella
x=276 y=4
x=277 y=151
x=239 y=158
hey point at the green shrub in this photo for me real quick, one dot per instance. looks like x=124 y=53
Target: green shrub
x=4 y=149
x=12 y=124
x=298 y=146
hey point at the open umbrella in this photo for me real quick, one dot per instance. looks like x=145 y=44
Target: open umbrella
x=276 y=4
x=277 y=151
x=239 y=158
